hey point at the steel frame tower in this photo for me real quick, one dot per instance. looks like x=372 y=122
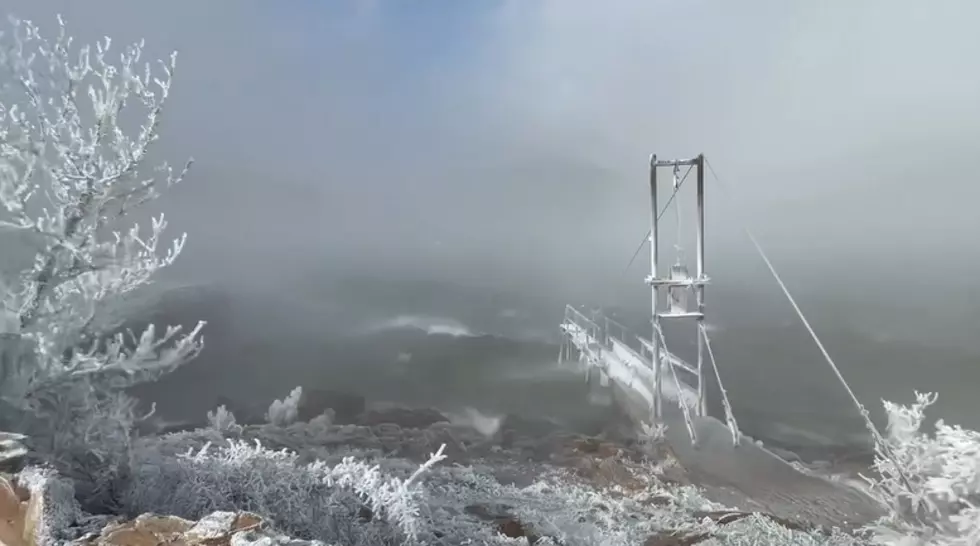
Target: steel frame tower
x=677 y=284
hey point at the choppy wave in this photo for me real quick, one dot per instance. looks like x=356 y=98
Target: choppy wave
x=429 y=325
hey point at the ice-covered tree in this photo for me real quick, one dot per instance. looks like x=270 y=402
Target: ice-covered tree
x=77 y=126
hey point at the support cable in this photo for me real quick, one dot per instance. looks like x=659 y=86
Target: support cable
x=865 y=415
x=677 y=383
x=729 y=414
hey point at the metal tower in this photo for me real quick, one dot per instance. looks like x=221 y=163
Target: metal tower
x=669 y=294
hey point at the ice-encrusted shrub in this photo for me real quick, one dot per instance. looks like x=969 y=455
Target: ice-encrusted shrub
x=73 y=166
x=930 y=484
x=312 y=501
x=86 y=436
x=222 y=420
x=283 y=412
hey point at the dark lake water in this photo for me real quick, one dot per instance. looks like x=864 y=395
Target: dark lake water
x=444 y=345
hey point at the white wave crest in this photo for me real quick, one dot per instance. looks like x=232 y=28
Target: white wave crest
x=429 y=325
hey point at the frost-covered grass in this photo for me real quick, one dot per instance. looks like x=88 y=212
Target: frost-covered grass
x=321 y=488
x=313 y=501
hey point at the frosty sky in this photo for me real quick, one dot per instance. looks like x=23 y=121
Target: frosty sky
x=508 y=139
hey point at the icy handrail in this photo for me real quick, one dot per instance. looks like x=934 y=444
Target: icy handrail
x=576 y=317
x=602 y=328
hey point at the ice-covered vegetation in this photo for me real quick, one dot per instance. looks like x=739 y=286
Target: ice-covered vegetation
x=74 y=163
x=930 y=483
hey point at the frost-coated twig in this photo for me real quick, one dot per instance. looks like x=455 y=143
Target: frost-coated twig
x=434 y=458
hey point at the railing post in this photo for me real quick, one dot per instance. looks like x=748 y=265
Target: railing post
x=605 y=330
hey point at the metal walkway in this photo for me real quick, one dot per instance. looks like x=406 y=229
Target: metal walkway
x=618 y=353
x=742 y=475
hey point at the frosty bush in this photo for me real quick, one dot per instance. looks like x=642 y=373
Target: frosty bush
x=223 y=420
x=930 y=485
x=350 y=503
x=71 y=170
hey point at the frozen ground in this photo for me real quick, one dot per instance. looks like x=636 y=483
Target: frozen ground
x=522 y=482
